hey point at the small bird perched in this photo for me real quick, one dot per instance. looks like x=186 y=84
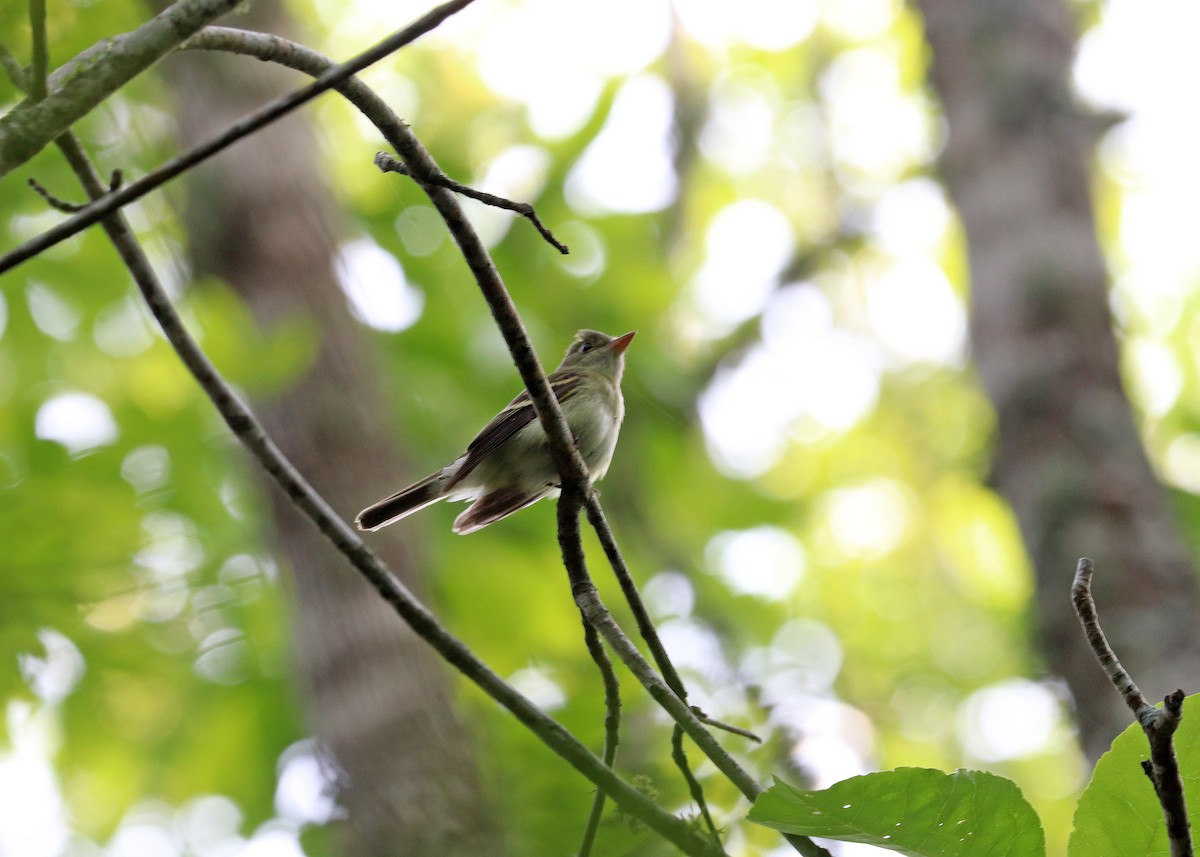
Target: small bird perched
x=508 y=465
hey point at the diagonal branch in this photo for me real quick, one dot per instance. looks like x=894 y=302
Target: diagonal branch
x=641 y=615
x=425 y=171
x=12 y=68
x=246 y=427
x=588 y=599
x=329 y=78
x=94 y=75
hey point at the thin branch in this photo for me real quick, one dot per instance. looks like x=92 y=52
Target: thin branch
x=1085 y=608
x=588 y=599
x=679 y=757
x=41 y=58
x=649 y=633
x=1159 y=724
x=388 y=164
x=641 y=615
x=12 y=69
x=249 y=431
x=53 y=201
x=612 y=730
x=330 y=79
x=424 y=170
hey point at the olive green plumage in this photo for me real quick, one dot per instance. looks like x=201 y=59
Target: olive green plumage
x=508 y=465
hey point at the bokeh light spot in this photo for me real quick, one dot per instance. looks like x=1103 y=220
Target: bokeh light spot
x=628 y=168
x=373 y=280
x=763 y=561
x=1008 y=720
x=79 y=421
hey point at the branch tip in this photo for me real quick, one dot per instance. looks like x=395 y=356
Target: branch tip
x=389 y=164
x=1158 y=724
x=53 y=201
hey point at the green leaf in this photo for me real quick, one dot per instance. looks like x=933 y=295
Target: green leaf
x=1118 y=812
x=915 y=811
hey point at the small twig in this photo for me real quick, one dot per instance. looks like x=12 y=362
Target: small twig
x=41 y=59
x=612 y=729
x=1159 y=724
x=12 y=68
x=389 y=164
x=271 y=112
x=679 y=757
x=726 y=727
x=1085 y=608
x=53 y=201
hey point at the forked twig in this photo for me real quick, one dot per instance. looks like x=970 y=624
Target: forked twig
x=389 y=164
x=1159 y=724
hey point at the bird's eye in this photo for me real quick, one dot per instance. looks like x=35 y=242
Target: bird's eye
x=585 y=347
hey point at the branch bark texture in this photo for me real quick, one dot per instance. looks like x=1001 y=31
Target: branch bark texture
x=1068 y=454
x=97 y=73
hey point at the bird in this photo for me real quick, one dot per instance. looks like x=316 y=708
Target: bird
x=508 y=465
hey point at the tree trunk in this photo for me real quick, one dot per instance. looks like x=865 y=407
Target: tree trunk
x=260 y=217
x=1068 y=457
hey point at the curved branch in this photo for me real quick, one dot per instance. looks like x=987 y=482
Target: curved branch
x=246 y=427
x=425 y=171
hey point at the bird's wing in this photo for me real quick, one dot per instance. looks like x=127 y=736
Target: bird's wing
x=490 y=508
x=509 y=421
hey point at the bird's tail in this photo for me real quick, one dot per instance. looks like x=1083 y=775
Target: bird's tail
x=417 y=496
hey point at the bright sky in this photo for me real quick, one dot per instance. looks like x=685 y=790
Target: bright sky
x=1141 y=59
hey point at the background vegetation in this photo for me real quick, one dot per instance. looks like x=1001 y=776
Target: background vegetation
x=802 y=485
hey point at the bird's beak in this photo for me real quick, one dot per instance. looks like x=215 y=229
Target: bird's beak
x=622 y=342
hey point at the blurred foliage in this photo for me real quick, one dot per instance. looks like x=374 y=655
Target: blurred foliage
x=858 y=597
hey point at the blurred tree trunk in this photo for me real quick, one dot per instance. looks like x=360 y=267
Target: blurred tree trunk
x=1068 y=458
x=261 y=218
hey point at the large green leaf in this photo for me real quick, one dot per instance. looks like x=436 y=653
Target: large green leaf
x=915 y=811
x=1118 y=812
